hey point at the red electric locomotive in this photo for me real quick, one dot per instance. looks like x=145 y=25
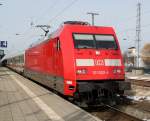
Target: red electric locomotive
x=79 y=61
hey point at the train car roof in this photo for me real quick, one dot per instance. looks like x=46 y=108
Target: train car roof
x=11 y=55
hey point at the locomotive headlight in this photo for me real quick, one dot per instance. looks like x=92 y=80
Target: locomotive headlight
x=69 y=82
x=81 y=71
x=116 y=71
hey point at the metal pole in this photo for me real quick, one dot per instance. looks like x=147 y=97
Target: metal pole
x=93 y=15
x=93 y=19
x=138 y=32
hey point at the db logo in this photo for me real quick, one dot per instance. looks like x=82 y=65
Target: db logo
x=99 y=62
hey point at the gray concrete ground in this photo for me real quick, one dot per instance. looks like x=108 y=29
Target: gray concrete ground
x=23 y=100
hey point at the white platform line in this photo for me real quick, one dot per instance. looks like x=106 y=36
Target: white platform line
x=50 y=113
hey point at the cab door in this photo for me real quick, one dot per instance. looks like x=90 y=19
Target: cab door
x=57 y=57
x=57 y=66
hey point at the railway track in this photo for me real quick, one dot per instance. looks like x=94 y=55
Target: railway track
x=140 y=82
x=110 y=113
x=129 y=117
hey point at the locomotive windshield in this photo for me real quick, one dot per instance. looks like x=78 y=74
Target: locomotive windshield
x=94 y=41
x=83 y=41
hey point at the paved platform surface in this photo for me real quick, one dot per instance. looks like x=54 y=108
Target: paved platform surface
x=23 y=100
x=138 y=77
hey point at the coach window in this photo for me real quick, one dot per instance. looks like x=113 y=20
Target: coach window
x=58 y=44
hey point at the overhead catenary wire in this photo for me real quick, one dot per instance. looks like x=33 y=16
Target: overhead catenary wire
x=47 y=10
x=68 y=6
x=128 y=19
x=57 y=15
x=62 y=11
x=40 y=17
x=133 y=29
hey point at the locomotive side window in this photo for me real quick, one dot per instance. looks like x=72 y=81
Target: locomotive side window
x=83 y=40
x=105 y=41
x=58 y=44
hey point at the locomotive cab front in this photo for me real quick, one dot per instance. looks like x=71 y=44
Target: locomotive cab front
x=97 y=57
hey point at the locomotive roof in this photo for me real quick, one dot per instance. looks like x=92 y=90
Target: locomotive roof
x=62 y=26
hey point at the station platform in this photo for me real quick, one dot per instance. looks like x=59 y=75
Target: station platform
x=24 y=100
x=145 y=77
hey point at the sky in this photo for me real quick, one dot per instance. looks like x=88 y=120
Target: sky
x=16 y=17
